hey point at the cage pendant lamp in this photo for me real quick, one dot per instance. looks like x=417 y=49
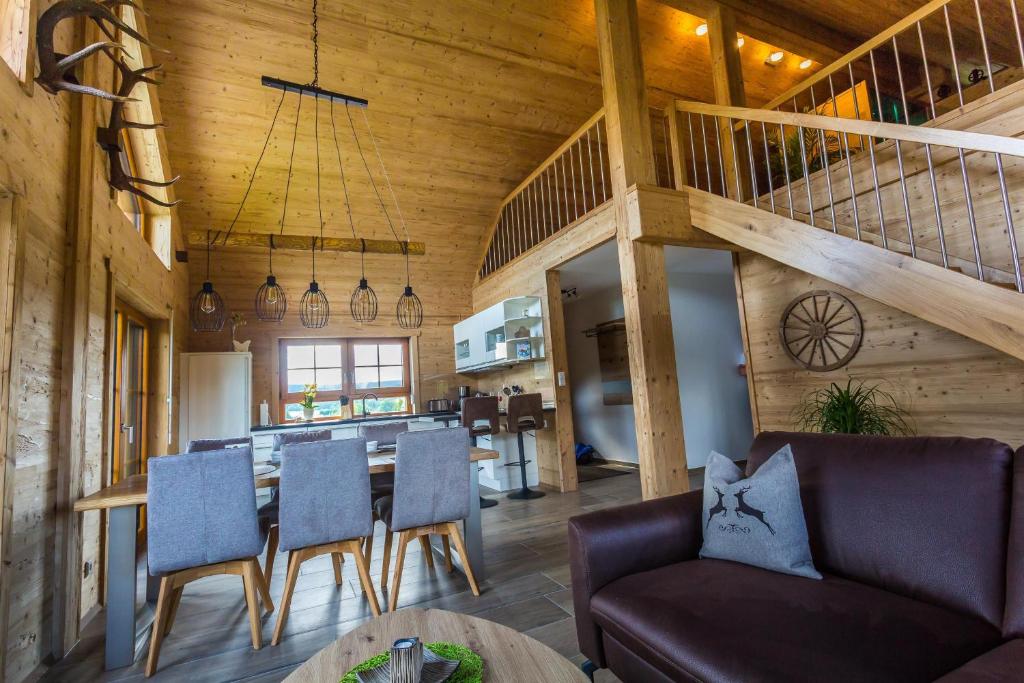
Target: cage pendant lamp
x=314 y=308
x=363 y=304
x=409 y=310
x=207 y=310
x=271 y=301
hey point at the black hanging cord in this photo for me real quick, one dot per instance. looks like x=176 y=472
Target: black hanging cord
x=208 y=242
x=368 y=173
x=316 y=137
x=270 y=256
x=391 y=190
x=344 y=185
x=314 y=259
x=291 y=159
x=256 y=168
x=316 y=46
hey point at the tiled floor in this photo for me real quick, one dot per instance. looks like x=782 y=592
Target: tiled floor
x=527 y=589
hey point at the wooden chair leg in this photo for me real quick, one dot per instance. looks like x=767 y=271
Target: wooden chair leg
x=363 y=565
x=368 y=552
x=286 y=600
x=264 y=587
x=272 y=540
x=336 y=561
x=250 y=581
x=175 y=601
x=403 y=542
x=428 y=552
x=163 y=605
x=386 y=563
x=447 y=554
x=460 y=547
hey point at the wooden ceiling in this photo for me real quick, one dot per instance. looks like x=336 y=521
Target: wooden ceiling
x=465 y=99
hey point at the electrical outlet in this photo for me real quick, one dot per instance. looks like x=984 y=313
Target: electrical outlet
x=86 y=570
x=561 y=378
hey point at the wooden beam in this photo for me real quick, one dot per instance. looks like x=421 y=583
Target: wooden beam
x=74 y=338
x=197 y=240
x=652 y=362
x=559 y=363
x=661 y=216
x=969 y=307
x=778 y=26
x=727 y=78
x=12 y=268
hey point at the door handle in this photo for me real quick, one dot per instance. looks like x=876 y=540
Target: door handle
x=129 y=431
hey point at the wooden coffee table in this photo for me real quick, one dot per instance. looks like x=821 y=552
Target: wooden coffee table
x=508 y=655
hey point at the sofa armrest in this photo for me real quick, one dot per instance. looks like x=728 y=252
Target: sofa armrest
x=1003 y=664
x=610 y=544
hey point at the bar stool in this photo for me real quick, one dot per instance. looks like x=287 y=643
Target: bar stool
x=525 y=414
x=481 y=409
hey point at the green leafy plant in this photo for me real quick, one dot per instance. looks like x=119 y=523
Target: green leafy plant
x=857 y=408
x=794 y=155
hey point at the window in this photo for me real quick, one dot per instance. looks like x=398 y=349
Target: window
x=350 y=368
x=15 y=18
x=131 y=204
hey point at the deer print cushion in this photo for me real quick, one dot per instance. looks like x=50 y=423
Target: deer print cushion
x=759 y=520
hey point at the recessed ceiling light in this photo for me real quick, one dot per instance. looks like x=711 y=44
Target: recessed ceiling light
x=775 y=57
x=740 y=41
x=806 y=64
x=702 y=30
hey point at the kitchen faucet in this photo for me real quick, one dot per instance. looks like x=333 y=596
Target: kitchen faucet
x=363 y=398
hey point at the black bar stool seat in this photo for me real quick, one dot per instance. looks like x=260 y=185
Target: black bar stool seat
x=525 y=414
x=475 y=411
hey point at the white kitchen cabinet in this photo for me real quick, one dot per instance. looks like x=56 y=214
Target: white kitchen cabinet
x=509 y=332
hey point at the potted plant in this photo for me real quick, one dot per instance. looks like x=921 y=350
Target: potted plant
x=857 y=408
x=308 y=397
x=238 y=320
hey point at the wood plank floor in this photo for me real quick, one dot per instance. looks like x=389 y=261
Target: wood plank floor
x=527 y=588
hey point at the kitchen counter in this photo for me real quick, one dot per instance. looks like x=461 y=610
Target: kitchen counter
x=353 y=421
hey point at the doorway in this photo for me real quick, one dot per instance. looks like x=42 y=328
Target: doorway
x=131 y=372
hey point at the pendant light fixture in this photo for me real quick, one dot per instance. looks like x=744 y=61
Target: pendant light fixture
x=271 y=301
x=315 y=309
x=363 y=303
x=207 y=310
x=409 y=310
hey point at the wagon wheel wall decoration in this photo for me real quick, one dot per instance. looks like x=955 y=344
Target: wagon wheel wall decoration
x=821 y=330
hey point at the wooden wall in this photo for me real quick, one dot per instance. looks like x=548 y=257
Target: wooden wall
x=39 y=161
x=950 y=385
x=443 y=290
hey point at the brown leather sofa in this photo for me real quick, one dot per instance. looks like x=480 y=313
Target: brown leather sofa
x=921 y=541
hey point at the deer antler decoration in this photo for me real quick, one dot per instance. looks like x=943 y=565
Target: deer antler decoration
x=56 y=74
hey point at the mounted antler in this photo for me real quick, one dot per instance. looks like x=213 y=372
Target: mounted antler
x=55 y=69
x=109 y=138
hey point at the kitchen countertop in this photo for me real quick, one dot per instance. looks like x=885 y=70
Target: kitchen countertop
x=445 y=416
x=354 y=421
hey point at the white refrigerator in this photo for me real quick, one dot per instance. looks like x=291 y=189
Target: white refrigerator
x=216 y=396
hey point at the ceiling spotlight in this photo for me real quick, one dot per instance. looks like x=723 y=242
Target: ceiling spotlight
x=806 y=64
x=702 y=30
x=775 y=57
x=740 y=41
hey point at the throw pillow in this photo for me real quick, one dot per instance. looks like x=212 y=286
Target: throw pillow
x=759 y=520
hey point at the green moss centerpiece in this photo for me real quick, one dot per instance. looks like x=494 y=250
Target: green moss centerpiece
x=471 y=666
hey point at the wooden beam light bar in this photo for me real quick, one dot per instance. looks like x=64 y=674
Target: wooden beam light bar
x=197 y=240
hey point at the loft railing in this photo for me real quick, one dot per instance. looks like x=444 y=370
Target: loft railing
x=916 y=193
x=944 y=55
x=571 y=182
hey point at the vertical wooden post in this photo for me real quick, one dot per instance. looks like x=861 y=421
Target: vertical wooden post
x=652 y=363
x=727 y=78
x=74 y=338
x=559 y=363
x=680 y=175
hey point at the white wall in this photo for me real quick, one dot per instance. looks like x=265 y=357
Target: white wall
x=706 y=329
x=609 y=429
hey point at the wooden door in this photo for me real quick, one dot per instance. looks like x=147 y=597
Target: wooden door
x=131 y=369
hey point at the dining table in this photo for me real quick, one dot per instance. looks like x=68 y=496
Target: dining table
x=128 y=622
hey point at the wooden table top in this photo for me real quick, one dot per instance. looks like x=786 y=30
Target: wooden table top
x=132 y=491
x=508 y=655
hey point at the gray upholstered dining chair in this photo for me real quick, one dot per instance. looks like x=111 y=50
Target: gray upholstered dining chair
x=201 y=445
x=268 y=513
x=382 y=483
x=201 y=520
x=325 y=508
x=432 y=483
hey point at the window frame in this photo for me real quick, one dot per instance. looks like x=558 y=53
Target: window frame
x=348 y=345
